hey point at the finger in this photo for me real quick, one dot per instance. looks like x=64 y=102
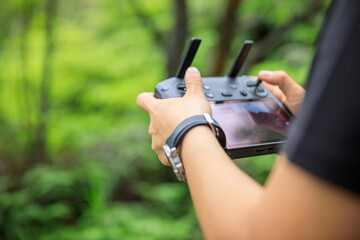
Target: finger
x=151 y=130
x=163 y=159
x=281 y=79
x=157 y=147
x=193 y=82
x=275 y=90
x=146 y=101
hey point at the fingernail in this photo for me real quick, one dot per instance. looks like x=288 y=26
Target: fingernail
x=265 y=74
x=192 y=70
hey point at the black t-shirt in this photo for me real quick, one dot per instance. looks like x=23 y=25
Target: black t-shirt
x=325 y=139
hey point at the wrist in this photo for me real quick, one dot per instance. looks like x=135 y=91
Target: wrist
x=196 y=133
x=171 y=147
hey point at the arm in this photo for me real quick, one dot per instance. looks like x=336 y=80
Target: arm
x=223 y=195
x=229 y=204
x=292 y=205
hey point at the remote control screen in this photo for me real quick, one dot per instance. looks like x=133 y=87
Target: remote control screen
x=251 y=122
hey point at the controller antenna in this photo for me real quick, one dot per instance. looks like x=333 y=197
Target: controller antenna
x=188 y=57
x=240 y=60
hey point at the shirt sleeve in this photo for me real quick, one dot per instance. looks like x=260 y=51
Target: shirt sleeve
x=324 y=140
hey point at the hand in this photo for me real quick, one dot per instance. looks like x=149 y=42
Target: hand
x=167 y=114
x=284 y=88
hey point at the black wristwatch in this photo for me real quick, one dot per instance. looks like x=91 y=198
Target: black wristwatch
x=170 y=148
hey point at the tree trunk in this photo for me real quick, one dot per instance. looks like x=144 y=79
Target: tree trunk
x=24 y=98
x=45 y=85
x=172 y=43
x=226 y=30
x=179 y=36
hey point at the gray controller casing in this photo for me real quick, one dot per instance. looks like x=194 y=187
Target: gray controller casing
x=220 y=89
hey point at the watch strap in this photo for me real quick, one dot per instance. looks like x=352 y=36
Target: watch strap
x=191 y=122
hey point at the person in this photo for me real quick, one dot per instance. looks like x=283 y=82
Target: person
x=313 y=191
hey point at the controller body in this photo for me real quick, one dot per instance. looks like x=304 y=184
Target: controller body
x=215 y=88
x=218 y=90
x=248 y=101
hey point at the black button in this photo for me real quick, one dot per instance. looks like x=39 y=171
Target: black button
x=209 y=95
x=251 y=83
x=164 y=88
x=206 y=87
x=233 y=86
x=243 y=92
x=260 y=89
x=226 y=93
x=182 y=87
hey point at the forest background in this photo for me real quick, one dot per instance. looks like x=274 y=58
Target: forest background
x=75 y=156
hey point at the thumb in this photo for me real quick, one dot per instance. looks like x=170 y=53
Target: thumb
x=146 y=101
x=193 y=82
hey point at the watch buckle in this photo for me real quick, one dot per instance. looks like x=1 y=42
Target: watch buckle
x=175 y=162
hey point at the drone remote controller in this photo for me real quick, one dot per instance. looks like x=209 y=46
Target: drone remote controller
x=254 y=120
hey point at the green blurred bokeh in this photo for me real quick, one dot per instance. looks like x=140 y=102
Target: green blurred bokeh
x=75 y=156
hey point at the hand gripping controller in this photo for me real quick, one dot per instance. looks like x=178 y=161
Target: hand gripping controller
x=219 y=90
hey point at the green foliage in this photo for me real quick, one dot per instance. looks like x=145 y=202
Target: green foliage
x=51 y=198
x=101 y=180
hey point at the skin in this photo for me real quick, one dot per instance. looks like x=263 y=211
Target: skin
x=293 y=204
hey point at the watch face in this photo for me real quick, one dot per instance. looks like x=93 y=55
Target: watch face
x=251 y=122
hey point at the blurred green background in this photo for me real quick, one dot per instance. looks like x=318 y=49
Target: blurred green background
x=75 y=156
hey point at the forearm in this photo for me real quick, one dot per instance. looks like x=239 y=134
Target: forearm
x=223 y=195
x=230 y=205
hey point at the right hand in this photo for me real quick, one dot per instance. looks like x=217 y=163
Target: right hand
x=284 y=88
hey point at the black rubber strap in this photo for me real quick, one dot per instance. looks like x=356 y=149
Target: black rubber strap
x=189 y=123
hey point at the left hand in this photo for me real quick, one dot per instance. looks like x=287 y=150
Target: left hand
x=167 y=114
